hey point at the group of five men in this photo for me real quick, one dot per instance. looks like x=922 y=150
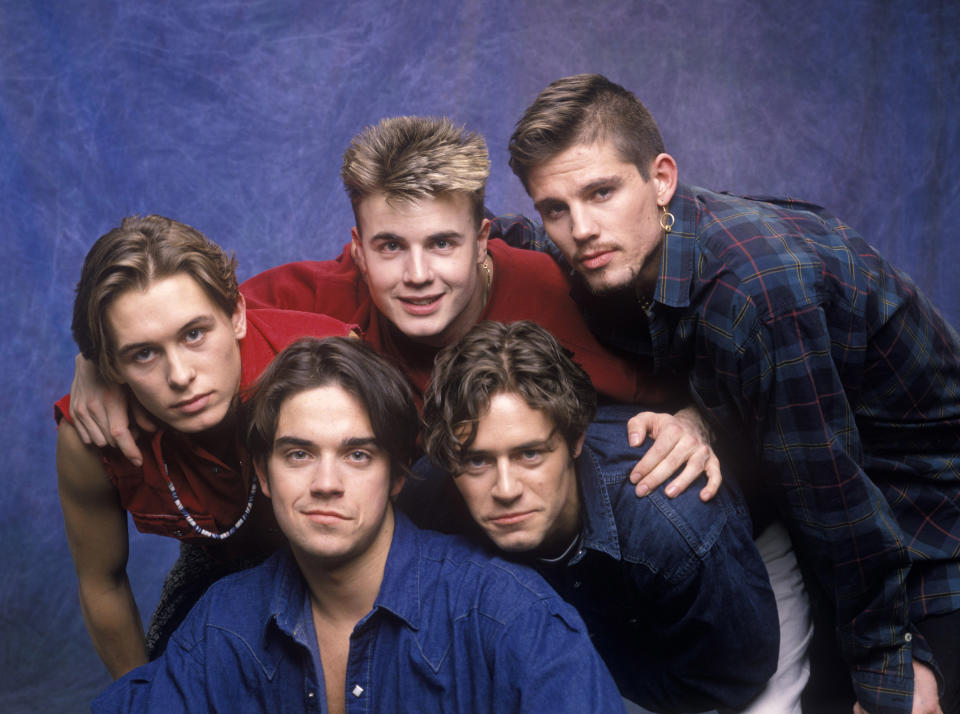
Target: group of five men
x=829 y=385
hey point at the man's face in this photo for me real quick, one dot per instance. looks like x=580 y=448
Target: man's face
x=178 y=351
x=421 y=263
x=519 y=481
x=329 y=481
x=601 y=214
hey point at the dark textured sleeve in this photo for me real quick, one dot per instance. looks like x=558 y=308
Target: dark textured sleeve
x=789 y=387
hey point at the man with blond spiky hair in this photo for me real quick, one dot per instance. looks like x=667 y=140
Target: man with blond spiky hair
x=422 y=268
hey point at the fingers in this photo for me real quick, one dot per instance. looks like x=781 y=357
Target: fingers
x=128 y=447
x=714 y=478
x=676 y=447
x=91 y=423
x=639 y=426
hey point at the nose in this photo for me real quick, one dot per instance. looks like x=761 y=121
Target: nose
x=326 y=479
x=582 y=225
x=417 y=269
x=507 y=487
x=180 y=371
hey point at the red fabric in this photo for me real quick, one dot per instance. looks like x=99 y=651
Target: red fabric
x=214 y=493
x=526 y=286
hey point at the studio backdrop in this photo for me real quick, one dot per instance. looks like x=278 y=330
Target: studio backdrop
x=233 y=116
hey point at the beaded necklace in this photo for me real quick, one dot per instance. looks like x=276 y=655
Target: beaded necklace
x=197 y=528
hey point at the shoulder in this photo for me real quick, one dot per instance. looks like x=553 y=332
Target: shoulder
x=781 y=253
x=238 y=603
x=270 y=331
x=479 y=582
x=279 y=328
x=672 y=537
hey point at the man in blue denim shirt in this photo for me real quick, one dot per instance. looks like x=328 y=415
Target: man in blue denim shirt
x=364 y=611
x=674 y=592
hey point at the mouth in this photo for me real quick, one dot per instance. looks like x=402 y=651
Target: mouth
x=420 y=305
x=597 y=258
x=193 y=404
x=325 y=517
x=510 y=519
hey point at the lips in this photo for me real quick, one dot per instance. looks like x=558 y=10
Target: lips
x=325 y=517
x=509 y=519
x=420 y=305
x=193 y=404
x=596 y=258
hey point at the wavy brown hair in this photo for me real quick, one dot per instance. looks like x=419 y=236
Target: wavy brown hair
x=133 y=255
x=519 y=358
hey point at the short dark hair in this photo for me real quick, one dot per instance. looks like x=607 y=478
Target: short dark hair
x=583 y=109
x=520 y=358
x=310 y=363
x=133 y=255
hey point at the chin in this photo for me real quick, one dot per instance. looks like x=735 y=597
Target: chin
x=514 y=545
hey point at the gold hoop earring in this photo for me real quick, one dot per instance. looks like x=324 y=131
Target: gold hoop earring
x=667 y=219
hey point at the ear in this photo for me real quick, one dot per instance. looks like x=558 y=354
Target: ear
x=578 y=447
x=239 y=318
x=356 y=251
x=483 y=236
x=262 y=478
x=396 y=486
x=664 y=175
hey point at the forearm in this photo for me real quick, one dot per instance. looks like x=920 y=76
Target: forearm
x=113 y=621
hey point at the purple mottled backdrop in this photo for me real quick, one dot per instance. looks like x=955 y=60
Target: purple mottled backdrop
x=232 y=116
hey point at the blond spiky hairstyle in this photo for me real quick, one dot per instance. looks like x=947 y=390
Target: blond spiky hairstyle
x=412 y=158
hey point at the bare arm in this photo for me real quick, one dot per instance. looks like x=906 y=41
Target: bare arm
x=98 y=410
x=96 y=528
x=680 y=440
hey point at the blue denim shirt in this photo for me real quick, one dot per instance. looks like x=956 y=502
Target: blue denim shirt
x=453 y=629
x=673 y=591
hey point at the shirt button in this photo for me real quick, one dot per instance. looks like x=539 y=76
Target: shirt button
x=908 y=637
x=177 y=533
x=576 y=584
x=357 y=690
x=216 y=469
x=311 y=696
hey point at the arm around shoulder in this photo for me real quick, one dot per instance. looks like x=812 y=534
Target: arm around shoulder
x=96 y=527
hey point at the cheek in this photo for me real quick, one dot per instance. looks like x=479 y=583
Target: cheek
x=471 y=493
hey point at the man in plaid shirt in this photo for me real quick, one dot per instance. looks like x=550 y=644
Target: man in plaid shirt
x=811 y=355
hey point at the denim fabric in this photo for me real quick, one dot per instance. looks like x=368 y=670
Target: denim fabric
x=453 y=629
x=673 y=591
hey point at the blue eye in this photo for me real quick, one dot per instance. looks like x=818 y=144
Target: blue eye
x=143 y=355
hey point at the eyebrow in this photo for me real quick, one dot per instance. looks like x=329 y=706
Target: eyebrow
x=355 y=442
x=546 y=443
x=387 y=235
x=133 y=347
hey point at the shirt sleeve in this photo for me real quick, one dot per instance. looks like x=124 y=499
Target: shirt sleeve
x=698 y=597
x=328 y=287
x=789 y=388
x=545 y=662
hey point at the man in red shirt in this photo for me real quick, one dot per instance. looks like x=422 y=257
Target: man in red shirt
x=421 y=270
x=159 y=310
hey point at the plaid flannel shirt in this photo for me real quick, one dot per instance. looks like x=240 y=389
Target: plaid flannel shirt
x=845 y=381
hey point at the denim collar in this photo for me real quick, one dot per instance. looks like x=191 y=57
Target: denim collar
x=599 y=525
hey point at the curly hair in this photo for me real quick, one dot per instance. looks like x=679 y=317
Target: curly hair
x=519 y=358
